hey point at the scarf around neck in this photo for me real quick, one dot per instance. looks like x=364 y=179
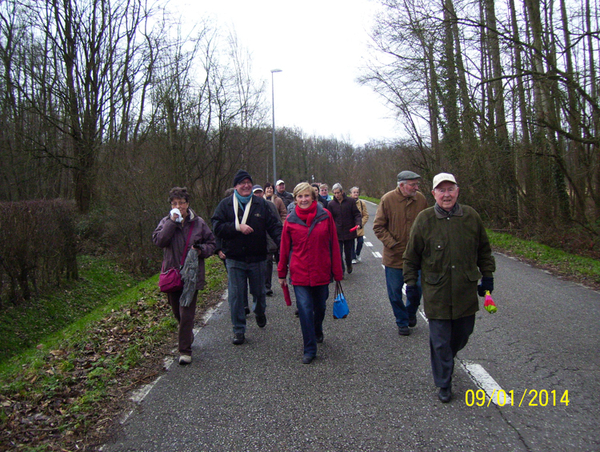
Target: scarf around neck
x=307 y=215
x=441 y=213
x=237 y=200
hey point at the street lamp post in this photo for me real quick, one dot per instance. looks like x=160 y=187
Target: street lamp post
x=273 y=108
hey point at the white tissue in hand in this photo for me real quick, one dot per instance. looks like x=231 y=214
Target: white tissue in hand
x=178 y=212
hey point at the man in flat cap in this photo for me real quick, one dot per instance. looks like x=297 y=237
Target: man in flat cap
x=395 y=215
x=449 y=246
x=242 y=221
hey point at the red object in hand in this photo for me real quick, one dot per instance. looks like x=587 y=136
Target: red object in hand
x=354 y=229
x=286 y=294
x=489 y=304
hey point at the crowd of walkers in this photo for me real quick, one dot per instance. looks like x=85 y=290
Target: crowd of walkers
x=439 y=253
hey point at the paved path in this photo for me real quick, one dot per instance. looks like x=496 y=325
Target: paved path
x=371 y=390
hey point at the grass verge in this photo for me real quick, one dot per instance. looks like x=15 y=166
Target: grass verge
x=583 y=269
x=64 y=393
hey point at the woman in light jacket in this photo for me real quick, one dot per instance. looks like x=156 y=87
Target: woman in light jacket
x=360 y=233
x=310 y=249
x=171 y=235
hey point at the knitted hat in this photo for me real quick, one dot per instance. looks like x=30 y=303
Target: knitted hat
x=240 y=176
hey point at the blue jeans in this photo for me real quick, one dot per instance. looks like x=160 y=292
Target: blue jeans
x=394 y=278
x=311 y=303
x=358 y=248
x=240 y=274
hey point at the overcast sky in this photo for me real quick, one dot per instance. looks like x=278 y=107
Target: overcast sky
x=320 y=46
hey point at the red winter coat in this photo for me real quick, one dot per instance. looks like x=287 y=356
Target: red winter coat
x=313 y=253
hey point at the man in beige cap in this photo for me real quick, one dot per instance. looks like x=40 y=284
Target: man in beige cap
x=450 y=247
x=395 y=215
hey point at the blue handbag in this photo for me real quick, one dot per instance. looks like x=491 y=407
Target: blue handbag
x=340 y=305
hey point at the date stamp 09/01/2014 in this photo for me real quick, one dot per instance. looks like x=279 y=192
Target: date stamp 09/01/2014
x=529 y=397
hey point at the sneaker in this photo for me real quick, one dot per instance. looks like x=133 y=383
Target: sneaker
x=239 y=338
x=403 y=331
x=261 y=320
x=349 y=268
x=412 y=321
x=269 y=293
x=320 y=338
x=246 y=310
x=354 y=261
x=297 y=313
x=358 y=260
x=185 y=359
x=445 y=394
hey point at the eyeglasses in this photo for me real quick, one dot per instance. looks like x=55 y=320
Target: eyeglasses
x=412 y=184
x=178 y=203
x=446 y=190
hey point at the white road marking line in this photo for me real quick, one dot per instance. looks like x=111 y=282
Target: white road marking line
x=484 y=381
x=376 y=254
x=478 y=374
x=139 y=395
x=368 y=244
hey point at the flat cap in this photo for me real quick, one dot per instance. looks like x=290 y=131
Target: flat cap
x=407 y=175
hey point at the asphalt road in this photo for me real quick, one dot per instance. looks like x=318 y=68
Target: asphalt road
x=372 y=390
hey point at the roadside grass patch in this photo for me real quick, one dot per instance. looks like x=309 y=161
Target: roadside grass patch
x=23 y=325
x=585 y=268
x=64 y=393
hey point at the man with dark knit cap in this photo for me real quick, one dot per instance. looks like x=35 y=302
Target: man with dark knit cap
x=242 y=221
x=395 y=215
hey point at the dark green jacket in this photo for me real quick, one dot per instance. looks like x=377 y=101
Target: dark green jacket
x=452 y=254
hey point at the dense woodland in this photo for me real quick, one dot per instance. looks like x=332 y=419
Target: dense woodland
x=108 y=103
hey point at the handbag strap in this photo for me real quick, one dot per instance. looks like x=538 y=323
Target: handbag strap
x=187 y=242
x=338 y=288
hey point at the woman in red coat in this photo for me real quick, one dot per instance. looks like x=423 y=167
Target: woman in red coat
x=310 y=249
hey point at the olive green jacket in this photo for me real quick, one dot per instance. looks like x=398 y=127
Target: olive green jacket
x=452 y=253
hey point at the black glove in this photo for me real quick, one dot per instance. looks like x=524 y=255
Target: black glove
x=487 y=283
x=412 y=295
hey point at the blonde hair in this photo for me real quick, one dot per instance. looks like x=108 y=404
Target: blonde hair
x=302 y=187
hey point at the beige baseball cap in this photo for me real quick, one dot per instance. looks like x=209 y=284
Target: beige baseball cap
x=443 y=177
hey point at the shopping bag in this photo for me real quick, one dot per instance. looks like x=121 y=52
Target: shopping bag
x=340 y=305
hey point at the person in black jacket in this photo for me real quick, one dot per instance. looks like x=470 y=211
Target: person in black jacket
x=242 y=222
x=347 y=219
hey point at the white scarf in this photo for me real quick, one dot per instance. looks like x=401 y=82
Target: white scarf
x=235 y=211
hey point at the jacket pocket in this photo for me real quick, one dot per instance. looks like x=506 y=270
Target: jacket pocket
x=473 y=275
x=433 y=278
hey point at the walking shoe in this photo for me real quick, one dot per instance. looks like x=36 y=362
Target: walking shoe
x=185 y=359
x=269 y=293
x=297 y=313
x=349 y=268
x=358 y=260
x=320 y=338
x=307 y=359
x=261 y=320
x=412 y=321
x=239 y=338
x=403 y=331
x=246 y=310
x=445 y=394
x=354 y=261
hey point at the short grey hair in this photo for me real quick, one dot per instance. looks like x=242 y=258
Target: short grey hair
x=354 y=188
x=337 y=186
